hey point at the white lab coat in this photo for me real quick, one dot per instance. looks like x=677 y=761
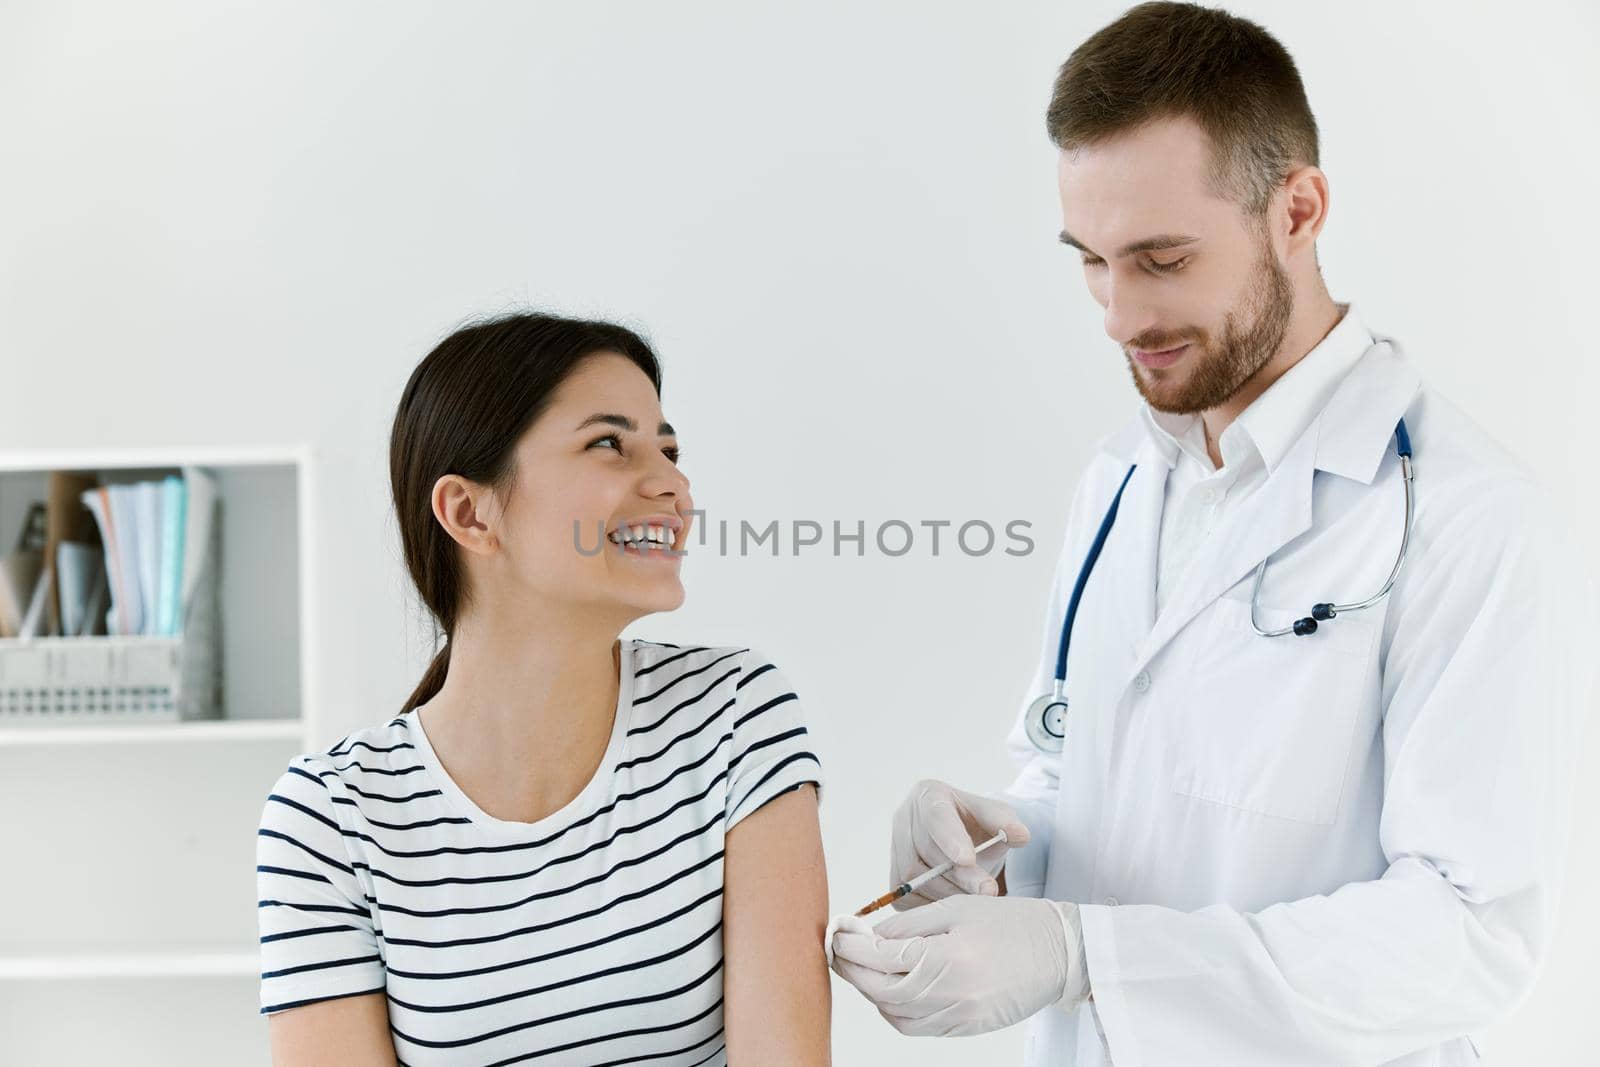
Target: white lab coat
x=1337 y=849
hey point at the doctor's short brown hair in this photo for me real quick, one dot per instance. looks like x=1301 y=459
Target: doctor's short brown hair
x=1169 y=60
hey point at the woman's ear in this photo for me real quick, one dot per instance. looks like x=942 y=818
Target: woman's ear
x=466 y=510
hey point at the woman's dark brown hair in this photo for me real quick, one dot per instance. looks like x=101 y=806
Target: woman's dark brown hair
x=1167 y=60
x=467 y=404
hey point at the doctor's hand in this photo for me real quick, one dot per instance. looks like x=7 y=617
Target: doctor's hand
x=938 y=822
x=967 y=964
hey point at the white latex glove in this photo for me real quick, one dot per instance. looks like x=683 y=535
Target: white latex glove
x=938 y=822
x=967 y=964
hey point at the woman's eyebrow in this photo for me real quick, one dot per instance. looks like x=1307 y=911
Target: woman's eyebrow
x=622 y=422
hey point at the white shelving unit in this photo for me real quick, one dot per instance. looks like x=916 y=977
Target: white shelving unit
x=129 y=873
x=156 y=733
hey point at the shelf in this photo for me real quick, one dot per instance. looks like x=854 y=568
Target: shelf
x=153 y=732
x=133 y=965
x=82 y=459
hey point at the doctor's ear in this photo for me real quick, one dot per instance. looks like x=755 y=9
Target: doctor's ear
x=468 y=512
x=1300 y=209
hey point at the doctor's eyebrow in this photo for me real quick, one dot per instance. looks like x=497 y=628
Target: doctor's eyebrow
x=1147 y=244
x=622 y=422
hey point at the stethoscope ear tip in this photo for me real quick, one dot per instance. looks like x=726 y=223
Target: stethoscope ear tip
x=1308 y=625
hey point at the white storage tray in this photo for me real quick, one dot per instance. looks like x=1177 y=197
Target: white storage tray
x=57 y=681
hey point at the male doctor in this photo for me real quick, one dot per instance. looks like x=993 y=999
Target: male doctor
x=1342 y=847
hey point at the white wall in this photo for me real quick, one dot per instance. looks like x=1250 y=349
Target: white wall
x=244 y=223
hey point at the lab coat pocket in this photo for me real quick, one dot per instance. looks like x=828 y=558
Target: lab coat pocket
x=1268 y=721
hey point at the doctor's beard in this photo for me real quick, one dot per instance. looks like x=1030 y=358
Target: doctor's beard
x=1214 y=371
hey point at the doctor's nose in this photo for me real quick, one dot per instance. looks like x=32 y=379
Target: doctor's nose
x=1126 y=319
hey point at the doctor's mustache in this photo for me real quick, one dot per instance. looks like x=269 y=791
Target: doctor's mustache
x=891 y=537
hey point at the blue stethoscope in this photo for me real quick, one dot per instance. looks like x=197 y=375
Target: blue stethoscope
x=1047 y=715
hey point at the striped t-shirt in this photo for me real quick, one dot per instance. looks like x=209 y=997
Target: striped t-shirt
x=592 y=936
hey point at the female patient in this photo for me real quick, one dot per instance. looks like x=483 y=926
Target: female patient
x=566 y=848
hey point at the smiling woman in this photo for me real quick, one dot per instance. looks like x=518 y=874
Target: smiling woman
x=567 y=847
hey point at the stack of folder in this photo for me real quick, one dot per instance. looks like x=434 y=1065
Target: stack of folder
x=118 y=559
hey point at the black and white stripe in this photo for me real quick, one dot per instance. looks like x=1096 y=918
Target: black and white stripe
x=593 y=936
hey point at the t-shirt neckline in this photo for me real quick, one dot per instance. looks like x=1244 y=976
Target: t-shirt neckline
x=587 y=798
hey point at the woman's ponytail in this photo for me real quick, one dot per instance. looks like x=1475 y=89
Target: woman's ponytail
x=432 y=680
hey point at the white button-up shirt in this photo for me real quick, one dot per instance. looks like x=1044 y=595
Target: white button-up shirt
x=1199 y=495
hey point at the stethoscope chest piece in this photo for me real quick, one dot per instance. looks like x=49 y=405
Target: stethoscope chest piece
x=1047 y=722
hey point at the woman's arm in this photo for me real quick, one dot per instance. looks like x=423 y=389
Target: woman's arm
x=776 y=996
x=344 y=1032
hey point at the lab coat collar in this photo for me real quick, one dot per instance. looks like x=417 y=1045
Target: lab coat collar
x=1357 y=426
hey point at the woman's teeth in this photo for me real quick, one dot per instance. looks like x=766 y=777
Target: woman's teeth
x=641 y=536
